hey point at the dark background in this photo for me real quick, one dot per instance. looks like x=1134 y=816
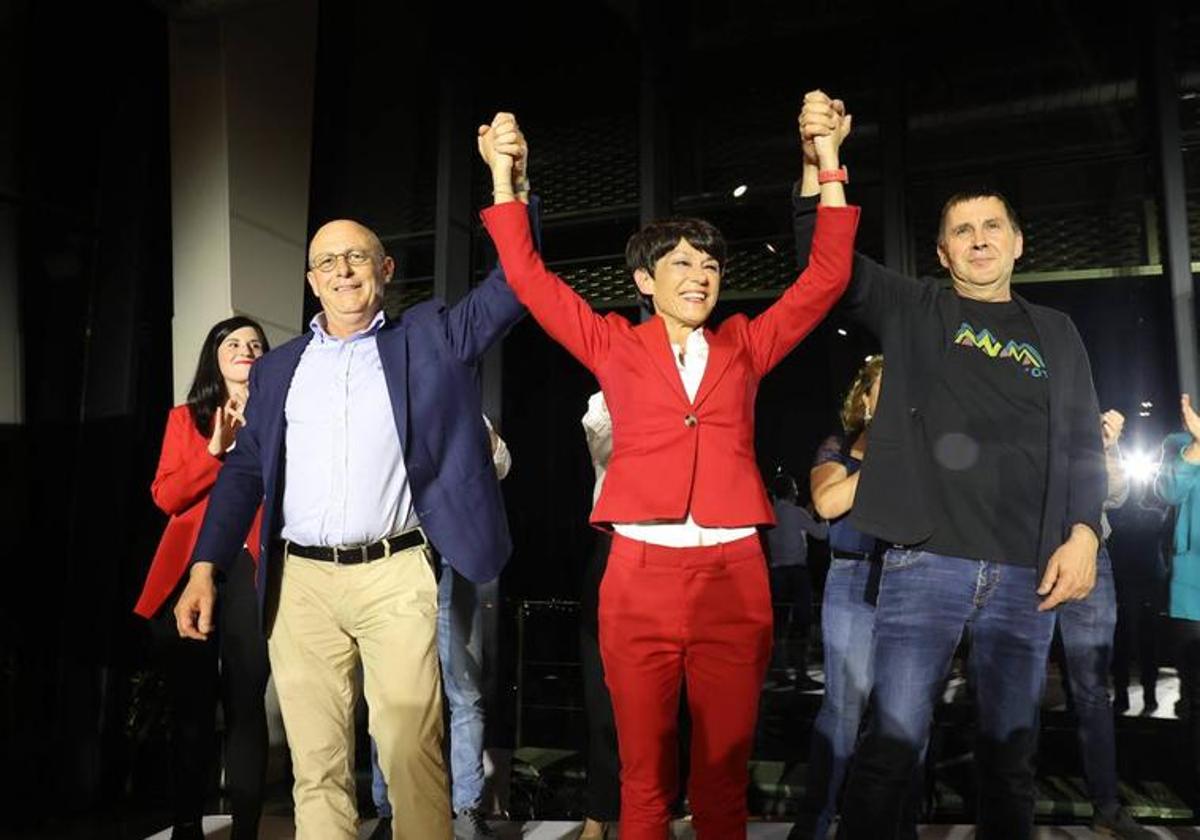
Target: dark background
x=624 y=103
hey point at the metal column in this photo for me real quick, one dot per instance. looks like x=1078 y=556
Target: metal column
x=1163 y=96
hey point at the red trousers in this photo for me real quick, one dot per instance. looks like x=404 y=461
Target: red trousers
x=696 y=614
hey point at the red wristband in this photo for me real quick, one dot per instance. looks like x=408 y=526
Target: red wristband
x=827 y=175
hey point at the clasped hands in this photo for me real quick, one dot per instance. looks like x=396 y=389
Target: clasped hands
x=504 y=149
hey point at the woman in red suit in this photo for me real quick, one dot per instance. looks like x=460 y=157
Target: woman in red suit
x=685 y=593
x=198 y=435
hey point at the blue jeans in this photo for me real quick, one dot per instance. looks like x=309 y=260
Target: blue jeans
x=847 y=622
x=926 y=601
x=459 y=641
x=1087 y=633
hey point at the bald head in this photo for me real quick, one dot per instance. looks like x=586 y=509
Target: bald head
x=329 y=236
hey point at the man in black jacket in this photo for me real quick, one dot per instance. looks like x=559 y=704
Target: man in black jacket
x=986 y=472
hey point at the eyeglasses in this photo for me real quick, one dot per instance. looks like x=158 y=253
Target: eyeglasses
x=328 y=262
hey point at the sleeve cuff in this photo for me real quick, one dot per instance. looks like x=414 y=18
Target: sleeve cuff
x=1184 y=465
x=803 y=203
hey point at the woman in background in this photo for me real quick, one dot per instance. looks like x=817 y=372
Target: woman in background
x=1178 y=484
x=848 y=605
x=198 y=435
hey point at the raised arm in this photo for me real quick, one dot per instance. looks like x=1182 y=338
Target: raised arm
x=234 y=501
x=186 y=470
x=874 y=291
x=1111 y=424
x=487 y=312
x=1180 y=468
x=562 y=313
x=808 y=300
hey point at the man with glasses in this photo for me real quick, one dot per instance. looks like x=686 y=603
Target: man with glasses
x=365 y=435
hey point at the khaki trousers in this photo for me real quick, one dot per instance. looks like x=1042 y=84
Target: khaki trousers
x=328 y=618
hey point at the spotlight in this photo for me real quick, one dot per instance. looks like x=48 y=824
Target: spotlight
x=1140 y=466
x=739 y=190
x=771 y=248
x=842 y=332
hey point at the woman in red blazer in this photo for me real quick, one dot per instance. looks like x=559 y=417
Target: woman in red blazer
x=198 y=435
x=685 y=593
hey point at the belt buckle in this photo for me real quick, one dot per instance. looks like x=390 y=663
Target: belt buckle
x=360 y=550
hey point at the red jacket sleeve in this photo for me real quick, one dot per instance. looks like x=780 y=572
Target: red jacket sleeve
x=563 y=314
x=808 y=300
x=186 y=470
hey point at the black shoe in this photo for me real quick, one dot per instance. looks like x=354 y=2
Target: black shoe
x=383 y=829
x=1121 y=702
x=1150 y=708
x=469 y=824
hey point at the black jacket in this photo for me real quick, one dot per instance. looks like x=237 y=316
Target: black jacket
x=915 y=321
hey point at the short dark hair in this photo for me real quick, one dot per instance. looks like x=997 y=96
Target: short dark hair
x=971 y=195
x=208 y=390
x=655 y=240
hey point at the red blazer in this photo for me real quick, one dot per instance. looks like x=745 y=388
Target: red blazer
x=186 y=474
x=672 y=455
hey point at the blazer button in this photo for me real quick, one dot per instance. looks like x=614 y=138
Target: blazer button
x=690 y=420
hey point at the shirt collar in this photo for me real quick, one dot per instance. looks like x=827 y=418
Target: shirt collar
x=695 y=348
x=695 y=345
x=317 y=325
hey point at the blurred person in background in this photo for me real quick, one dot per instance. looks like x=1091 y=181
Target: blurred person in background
x=791 y=582
x=1178 y=485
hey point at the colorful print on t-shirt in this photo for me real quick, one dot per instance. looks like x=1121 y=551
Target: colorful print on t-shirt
x=1022 y=352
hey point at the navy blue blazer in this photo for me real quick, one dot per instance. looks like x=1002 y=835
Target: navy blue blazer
x=429 y=356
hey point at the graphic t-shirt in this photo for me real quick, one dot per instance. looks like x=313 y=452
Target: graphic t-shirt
x=987 y=425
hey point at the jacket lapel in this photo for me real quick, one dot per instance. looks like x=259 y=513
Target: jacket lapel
x=652 y=333
x=950 y=316
x=271 y=450
x=720 y=354
x=1047 y=342
x=272 y=446
x=392 y=341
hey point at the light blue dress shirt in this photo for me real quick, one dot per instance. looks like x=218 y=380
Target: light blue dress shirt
x=345 y=481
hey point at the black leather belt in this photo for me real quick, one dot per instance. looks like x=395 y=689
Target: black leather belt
x=349 y=555
x=848 y=555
